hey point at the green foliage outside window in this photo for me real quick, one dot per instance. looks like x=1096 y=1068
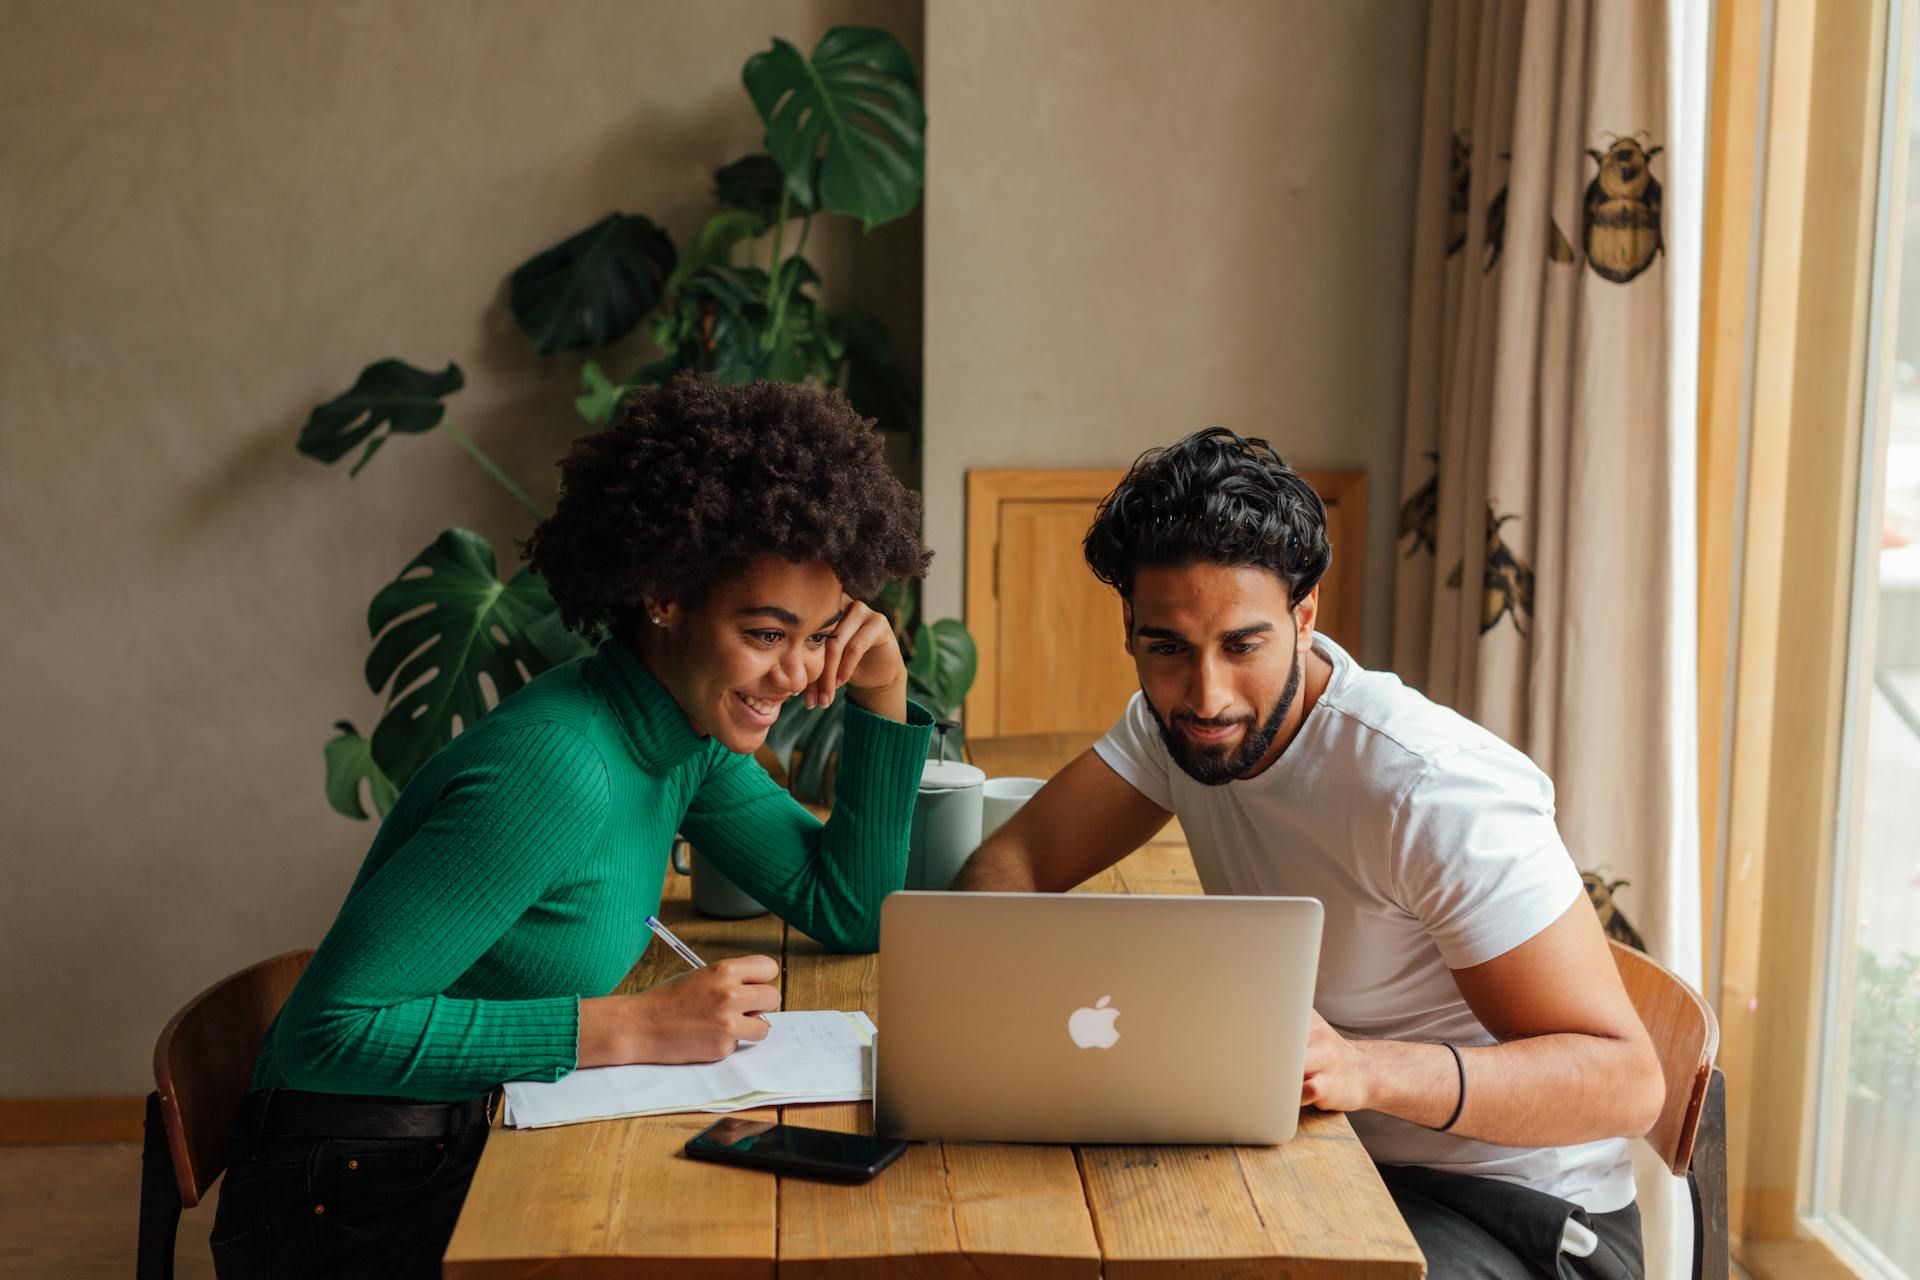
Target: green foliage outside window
x=1885 y=1058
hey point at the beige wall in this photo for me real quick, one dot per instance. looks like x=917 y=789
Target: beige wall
x=1142 y=218
x=213 y=215
x=1145 y=218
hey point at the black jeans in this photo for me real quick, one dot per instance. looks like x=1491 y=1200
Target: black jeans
x=1482 y=1229
x=294 y=1206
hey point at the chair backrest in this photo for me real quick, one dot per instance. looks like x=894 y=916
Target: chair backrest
x=203 y=1065
x=1686 y=1035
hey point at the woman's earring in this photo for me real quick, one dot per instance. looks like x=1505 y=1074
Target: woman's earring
x=656 y=619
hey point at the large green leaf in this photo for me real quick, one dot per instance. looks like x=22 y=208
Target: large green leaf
x=445 y=628
x=349 y=760
x=592 y=289
x=846 y=127
x=390 y=393
x=753 y=185
x=942 y=666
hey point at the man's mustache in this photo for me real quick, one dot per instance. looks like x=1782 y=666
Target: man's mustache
x=1181 y=717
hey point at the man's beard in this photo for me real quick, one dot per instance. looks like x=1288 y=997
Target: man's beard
x=1217 y=768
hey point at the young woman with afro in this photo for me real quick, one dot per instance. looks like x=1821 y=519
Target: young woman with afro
x=716 y=543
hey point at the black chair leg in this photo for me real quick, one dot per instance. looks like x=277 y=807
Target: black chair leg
x=1707 y=1183
x=159 y=1199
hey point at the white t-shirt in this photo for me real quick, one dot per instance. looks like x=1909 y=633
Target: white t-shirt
x=1432 y=845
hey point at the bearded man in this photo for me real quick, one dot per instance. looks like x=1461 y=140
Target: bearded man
x=1468 y=1012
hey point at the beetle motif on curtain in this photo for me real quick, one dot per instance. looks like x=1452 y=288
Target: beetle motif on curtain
x=1534 y=486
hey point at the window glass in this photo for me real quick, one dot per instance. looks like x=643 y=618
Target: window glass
x=1874 y=1163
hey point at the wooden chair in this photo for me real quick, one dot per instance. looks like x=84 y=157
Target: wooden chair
x=1691 y=1134
x=203 y=1065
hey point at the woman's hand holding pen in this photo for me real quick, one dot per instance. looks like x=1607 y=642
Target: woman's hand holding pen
x=700 y=1016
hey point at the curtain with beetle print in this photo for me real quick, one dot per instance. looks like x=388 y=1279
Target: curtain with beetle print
x=1544 y=576
x=1535 y=567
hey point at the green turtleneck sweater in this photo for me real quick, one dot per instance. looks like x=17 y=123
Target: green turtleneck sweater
x=515 y=874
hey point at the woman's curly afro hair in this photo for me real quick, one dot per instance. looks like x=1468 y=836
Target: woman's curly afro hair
x=1216 y=497
x=698 y=479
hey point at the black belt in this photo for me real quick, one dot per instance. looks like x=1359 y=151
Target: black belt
x=298 y=1113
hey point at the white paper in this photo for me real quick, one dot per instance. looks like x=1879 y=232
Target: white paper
x=808 y=1056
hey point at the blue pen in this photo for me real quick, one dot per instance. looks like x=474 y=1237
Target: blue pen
x=680 y=948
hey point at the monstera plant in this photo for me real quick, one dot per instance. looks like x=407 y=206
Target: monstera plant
x=845 y=137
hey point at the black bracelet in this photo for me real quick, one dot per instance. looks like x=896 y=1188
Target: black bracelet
x=1461 y=1066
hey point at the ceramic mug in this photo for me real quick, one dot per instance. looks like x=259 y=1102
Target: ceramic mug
x=713 y=893
x=1002 y=798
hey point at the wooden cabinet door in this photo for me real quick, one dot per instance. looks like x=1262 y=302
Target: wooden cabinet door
x=1051 y=643
x=1059 y=630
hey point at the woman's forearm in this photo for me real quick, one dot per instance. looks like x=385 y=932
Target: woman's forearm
x=608 y=1036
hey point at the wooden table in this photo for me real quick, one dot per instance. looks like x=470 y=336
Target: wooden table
x=618 y=1198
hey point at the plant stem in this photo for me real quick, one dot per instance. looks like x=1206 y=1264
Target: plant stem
x=779 y=230
x=493 y=469
x=780 y=303
x=775 y=296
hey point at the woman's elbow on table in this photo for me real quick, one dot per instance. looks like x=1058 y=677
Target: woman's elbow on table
x=850 y=930
x=863 y=941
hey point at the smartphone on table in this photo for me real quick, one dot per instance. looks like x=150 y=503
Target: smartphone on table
x=793 y=1149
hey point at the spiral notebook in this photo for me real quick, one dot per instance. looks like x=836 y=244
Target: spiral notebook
x=808 y=1056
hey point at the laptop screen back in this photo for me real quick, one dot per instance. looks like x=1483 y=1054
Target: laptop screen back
x=1093 y=1017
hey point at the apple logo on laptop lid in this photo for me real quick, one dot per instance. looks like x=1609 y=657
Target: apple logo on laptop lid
x=1093 y=1028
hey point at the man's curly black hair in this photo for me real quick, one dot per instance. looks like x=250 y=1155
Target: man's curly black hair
x=1216 y=497
x=697 y=479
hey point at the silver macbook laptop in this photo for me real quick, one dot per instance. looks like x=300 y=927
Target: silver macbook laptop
x=1021 y=1017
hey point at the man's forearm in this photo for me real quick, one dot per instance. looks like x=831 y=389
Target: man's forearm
x=998 y=866
x=1543 y=1091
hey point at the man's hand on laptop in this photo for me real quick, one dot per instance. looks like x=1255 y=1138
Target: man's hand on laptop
x=1416 y=1082
x=1336 y=1076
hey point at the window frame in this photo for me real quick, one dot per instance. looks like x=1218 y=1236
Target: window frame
x=1809 y=104
x=1891 y=199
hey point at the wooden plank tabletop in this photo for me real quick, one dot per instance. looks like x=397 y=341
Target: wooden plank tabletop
x=619 y=1198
